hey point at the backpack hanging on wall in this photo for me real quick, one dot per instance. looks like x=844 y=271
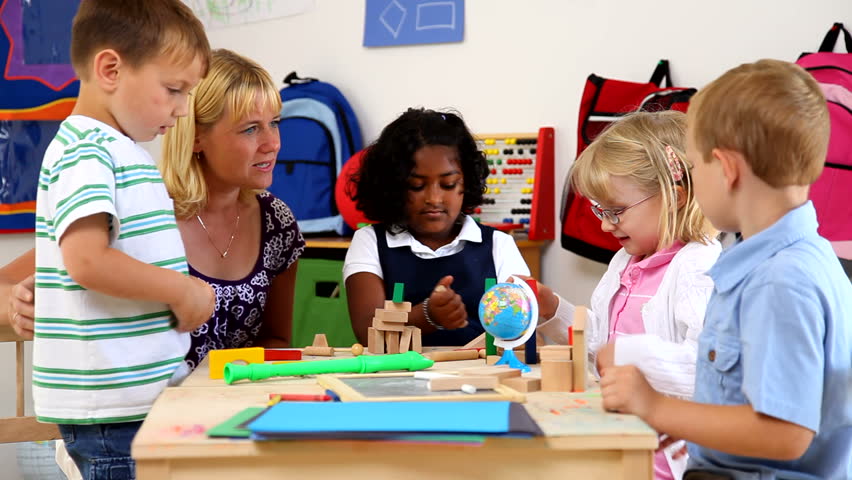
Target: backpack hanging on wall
x=605 y=101
x=319 y=132
x=832 y=192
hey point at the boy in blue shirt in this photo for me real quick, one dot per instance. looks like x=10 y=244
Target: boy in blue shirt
x=773 y=395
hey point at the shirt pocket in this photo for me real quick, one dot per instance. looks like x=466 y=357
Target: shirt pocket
x=724 y=359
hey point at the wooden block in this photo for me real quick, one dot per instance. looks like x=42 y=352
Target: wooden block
x=522 y=384
x=389 y=316
x=492 y=359
x=319 y=351
x=448 y=356
x=579 y=353
x=275 y=354
x=405 y=340
x=398 y=307
x=478 y=342
x=555 y=352
x=392 y=341
x=455 y=383
x=378 y=324
x=416 y=341
x=375 y=341
x=499 y=371
x=218 y=358
x=556 y=376
x=320 y=340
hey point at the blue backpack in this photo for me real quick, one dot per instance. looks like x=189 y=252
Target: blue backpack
x=319 y=133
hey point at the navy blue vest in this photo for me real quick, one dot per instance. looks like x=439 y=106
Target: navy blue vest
x=469 y=268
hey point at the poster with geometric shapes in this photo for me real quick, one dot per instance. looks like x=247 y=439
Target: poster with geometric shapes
x=411 y=22
x=37 y=81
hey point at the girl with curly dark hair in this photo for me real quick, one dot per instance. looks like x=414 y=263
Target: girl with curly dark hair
x=419 y=181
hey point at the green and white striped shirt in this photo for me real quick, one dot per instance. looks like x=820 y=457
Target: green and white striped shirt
x=96 y=358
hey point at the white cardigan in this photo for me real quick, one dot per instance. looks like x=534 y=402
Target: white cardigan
x=673 y=319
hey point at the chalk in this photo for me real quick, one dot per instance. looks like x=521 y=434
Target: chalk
x=467 y=388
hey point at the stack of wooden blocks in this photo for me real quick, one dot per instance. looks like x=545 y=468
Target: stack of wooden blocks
x=390 y=334
x=563 y=367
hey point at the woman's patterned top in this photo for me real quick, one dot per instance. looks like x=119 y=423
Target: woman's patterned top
x=238 y=317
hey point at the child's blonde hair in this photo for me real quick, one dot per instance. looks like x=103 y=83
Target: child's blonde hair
x=635 y=147
x=770 y=111
x=234 y=83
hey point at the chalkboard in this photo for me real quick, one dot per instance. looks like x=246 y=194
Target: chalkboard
x=404 y=387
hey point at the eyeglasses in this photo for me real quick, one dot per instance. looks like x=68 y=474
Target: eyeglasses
x=612 y=215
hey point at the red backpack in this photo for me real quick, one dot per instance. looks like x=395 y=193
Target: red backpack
x=832 y=192
x=605 y=101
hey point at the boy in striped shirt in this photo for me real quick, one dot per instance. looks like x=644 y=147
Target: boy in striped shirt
x=113 y=296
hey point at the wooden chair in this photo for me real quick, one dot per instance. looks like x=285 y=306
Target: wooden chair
x=21 y=428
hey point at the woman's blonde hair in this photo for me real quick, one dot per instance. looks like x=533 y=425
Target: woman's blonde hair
x=233 y=84
x=635 y=147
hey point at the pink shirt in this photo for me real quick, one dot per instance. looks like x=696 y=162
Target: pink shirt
x=639 y=282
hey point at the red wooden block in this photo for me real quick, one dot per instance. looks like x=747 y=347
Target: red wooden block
x=273 y=354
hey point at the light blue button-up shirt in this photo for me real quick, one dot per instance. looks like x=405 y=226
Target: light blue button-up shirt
x=778 y=336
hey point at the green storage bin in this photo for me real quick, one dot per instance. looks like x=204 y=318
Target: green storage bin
x=315 y=310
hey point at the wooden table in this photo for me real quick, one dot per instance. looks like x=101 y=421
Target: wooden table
x=582 y=441
x=530 y=249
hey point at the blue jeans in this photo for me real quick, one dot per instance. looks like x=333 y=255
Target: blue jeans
x=102 y=451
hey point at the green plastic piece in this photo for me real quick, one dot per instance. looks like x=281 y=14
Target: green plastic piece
x=363 y=224
x=490 y=349
x=410 y=361
x=397 y=292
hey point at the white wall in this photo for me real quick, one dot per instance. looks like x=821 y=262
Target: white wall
x=522 y=65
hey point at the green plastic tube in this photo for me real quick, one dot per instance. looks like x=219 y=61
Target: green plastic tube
x=410 y=361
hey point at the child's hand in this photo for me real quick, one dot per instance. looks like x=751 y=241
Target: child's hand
x=22 y=307
x=625 y=390
x=547 y=300
x=195 y=306
x=446 y=307
x=667 y=441
x=605 y=356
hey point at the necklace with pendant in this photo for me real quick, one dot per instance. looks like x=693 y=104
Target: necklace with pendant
x=233 y=234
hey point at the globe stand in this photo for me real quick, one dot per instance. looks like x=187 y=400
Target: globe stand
x=509 y=357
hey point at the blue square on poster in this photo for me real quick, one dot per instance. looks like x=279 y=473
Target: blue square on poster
x=410 y=22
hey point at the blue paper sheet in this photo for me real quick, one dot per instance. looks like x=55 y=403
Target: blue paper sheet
x=380 y=418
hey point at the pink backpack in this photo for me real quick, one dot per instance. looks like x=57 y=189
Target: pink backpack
x=832 y=192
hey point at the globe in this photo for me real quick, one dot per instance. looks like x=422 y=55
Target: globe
x=505 y=311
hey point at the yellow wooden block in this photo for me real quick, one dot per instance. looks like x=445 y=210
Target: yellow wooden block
x=218 y=358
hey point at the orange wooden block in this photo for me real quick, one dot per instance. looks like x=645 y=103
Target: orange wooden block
x=218 y=358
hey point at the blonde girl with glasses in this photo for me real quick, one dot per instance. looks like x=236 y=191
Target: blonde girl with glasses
x=648 y=308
